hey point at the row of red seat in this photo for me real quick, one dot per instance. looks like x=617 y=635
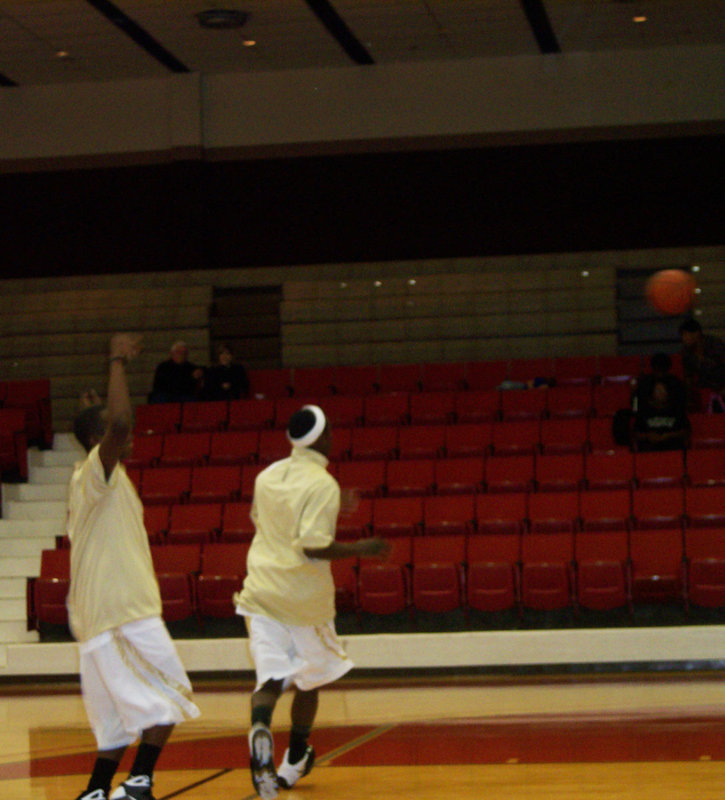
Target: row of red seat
x=369 y=379
x=511 y=512
x=597 y=570
x=404 y=442
x=32 y=397
x=403 y=408
x=541 y=472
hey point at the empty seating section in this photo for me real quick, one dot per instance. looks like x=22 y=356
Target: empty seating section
x=492 y=499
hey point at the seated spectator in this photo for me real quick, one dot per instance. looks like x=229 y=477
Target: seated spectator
x=660 y=366
x=660 y=422
x=703 y=360
x=176 y=379
x=226 y=380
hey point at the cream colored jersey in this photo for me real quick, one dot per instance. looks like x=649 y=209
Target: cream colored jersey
x=295 y=507
x=112 y=575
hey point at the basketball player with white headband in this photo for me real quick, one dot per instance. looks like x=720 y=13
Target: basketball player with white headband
x=288 y=597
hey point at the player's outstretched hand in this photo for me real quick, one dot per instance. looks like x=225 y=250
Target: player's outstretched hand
x=125 y=345
x=375 y=546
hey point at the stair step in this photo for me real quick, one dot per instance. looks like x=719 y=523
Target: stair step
x=13 y=610
x=16 y=631
x=31 y=529
x=15 y=509
x=19 y=566
x=67 y=441
x=12 y=587
x=53 y=458
x=30 y=492
x=22 y=548
x=48 y=475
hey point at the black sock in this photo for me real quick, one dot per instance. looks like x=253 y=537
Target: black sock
x=262 y=714
x=145 y=761
x=298 y=737
x=103 y=771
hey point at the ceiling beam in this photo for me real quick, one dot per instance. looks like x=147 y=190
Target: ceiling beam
x=541 y=27
x=140 y=36
x=335 y=25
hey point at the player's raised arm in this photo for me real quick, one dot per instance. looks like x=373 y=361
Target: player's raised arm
x=123 y=348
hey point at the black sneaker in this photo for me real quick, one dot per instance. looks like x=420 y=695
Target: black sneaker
x=261 y=761
x=136 y=788
x=96 y=794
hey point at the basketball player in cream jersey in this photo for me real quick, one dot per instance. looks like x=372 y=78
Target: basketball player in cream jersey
x=132 y=681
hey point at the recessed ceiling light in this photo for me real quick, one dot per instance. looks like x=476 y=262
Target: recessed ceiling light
x=378 y=283
x=585 y=273
x=219 y=18
x=62 y=54
x=249 y=42
x=695 y=268
x=639 y=19
x=411 y=282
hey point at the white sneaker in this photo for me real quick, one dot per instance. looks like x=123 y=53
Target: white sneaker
x=97 y=794
x=261 y=761
x=136 y=788
x=288 y=774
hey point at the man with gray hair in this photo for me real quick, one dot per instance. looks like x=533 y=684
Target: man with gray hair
x=288 y=597
x=176 y=380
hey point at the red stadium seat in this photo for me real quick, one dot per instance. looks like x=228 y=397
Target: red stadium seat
x=553 y=511
x=233 y=447
x=601 y=438
x=613 y=469
x=194 y=524
x=387 y=409
x=516 y=438
x=706 y=582
x=659 y=469
x=509 y=473
x=478 y=406
x=706 y=467
x=250 y=415
x=236 y=525
x=569 y=401
x=484 y=375
x=204 y=416
x=374 y=443
x=459 y=475
x=610 y=398
x=432 y=408
x=157 y=418
x=313 y=381
x=546 y=586
x=522 y=404
x=708 y=430
x=249 y=475
x=384 y=587
x=468 y=440
x=492 y=586
x=344 y=411
x=705 y=543
x=410 y=478
x=285 y=407
x=33 y=398
x=177 y=567
x=344 y=575
x=438 y=573
x=566 y=435
x=559 y=473
x=422 y=441
x=156 y=522
x=399 y=378
x=575 y=370
x=705 y=506
x=341 y=444
x=215 y=484
x=449 y=515
x=48 y=592
x=273 y=446
x=13 y=443
x=223 y=567
x=266 y=383
x=356 y=523
x=619 y=369
x=501 y=513
x=526 y=369
x=605 y=510
x=657 y=565
x=165 y=485
x=146 y=451
x=365 y=477
x=397 y=516
x=658 y=508
x=185 y=449
x=448 y=377
x=356 y=380
x=603 y=578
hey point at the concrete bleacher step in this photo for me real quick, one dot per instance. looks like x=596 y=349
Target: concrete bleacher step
x=16 y=566
x=65 y=442
x=21 y=548
x=12 y=609
x=31 y=529
x=16 y=509
x=50 y=475
x=26 y=492
x=17 y=631
x=13 y=588
x=53 y=458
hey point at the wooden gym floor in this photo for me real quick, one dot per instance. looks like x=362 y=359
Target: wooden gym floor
x=628 y=737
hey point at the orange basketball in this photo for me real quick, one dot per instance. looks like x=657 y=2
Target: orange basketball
x=671 y=291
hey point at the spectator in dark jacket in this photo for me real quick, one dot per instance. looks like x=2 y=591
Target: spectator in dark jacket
x=226 y=380
x=176 y=379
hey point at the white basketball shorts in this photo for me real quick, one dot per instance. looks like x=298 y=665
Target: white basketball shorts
x=132 y=679
x=305 y=655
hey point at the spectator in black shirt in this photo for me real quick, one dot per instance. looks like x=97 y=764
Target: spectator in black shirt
x=176 y=379
x=660 y=422
x=226 y=380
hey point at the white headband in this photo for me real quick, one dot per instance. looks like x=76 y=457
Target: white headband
x=314 y=434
